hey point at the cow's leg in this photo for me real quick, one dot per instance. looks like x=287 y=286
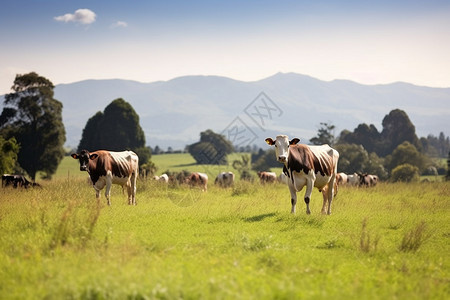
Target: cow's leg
x=108 y=189
x=309 y=187
x=129 y=193
x=293 y=197
x=330 y=194
x=325 y=199
x=133 y=188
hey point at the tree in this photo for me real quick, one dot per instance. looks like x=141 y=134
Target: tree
x=436 y=146
x=352 y=158
x=405 y=173
x=91 y=133
x=325 y=135
x=34 y=118
x=9 y=150
x=397 y=128
x=243 y=167
x=116 y=129
x=367 y=136
x=212 y=148
x=265 y=160
x=447 y=177
x=406 y=153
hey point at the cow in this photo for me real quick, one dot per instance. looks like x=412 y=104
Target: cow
x=367 y=180
x=17 y=181
x=107 y=167
x=267 y=177
x=353 y=179
x=225 y=179
x=341 y=178
x=283 y=178
x=198 y=179
x=310 y=166
x=164 y=178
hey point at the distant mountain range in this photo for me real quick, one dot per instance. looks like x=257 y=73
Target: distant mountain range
x=173 y=113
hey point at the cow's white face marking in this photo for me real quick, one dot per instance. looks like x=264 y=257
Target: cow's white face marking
x=282 y=148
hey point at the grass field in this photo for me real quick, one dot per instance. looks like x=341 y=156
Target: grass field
x=58 y=242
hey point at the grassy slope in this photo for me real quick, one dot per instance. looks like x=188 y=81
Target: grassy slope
x=57 y=242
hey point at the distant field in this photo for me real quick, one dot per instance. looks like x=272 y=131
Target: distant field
x=58 y=242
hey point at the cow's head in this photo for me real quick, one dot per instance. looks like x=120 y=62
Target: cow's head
x=84 y=157
x=282 y=144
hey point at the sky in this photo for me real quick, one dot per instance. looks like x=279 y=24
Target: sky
x=369 y=42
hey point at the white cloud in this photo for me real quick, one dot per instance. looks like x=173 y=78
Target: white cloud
x=83 y=15
x=119 y=24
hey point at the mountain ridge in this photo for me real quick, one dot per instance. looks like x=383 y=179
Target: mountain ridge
x=174 y=112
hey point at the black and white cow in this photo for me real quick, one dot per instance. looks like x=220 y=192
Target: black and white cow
x=108 y=167
x=17 y=181
x=310 y=166
x=225 y=179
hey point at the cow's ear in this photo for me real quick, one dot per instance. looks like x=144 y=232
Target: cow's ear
x=74 y=155
x=269 y=141
x=294 y=141
x=93 y=156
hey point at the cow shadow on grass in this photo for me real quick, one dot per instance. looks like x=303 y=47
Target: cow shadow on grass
x=259 y=218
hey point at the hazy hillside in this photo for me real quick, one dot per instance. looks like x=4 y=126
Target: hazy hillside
x=173 y=113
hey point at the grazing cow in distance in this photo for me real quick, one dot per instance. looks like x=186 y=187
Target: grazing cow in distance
x=367 y=180
x=267 y=177
x=163 y=178
x=353 y=179
x=374 y=180
x=198 y=179
x=283 y=178
x=107 y=167
x=17 y=181
x=341 y=178
x=225 y=179
x=310 y=166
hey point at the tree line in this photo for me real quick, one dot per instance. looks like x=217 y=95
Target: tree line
x=32 y=136
x=396 y=152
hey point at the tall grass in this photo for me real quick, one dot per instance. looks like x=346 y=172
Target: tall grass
x=391 y=241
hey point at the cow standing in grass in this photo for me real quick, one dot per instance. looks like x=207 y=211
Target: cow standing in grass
x=108 y=167
x=367 y=180
x=310 y=166
x=353 y=179
x=225 y=179
x=198 y=179
x=267 y=177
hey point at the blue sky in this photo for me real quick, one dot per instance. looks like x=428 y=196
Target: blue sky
x=370 y=42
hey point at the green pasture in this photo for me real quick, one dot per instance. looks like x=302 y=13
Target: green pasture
x=387 y=242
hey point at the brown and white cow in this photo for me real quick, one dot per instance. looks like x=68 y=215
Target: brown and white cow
x=267 y=177
x=341 y=178
x=107 y=167
x=310 y=166
x=198 y=179
x=225 y=179
x=367 y=180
